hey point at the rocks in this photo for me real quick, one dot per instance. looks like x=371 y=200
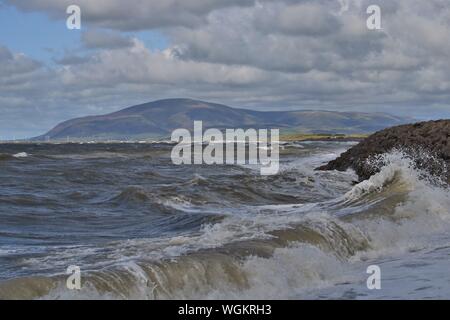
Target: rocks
x=431 y=137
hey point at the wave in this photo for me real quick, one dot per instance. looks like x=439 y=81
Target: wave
x=131 y=195
x=275 y=251
x=21 y=155
x=165 y=202
x=5 y=157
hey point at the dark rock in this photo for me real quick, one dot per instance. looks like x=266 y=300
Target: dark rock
x=431 y=138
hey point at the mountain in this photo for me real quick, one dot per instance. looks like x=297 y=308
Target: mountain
x=160 y=118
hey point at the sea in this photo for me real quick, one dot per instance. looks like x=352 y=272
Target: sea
x=136 y=226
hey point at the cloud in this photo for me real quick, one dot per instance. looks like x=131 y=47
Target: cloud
x=95 y=39
x=133 y=14
x=15 y=64
x=139 y=65
x=307 y=18
x=71 y=59
x=281 y=37
x=19 y=75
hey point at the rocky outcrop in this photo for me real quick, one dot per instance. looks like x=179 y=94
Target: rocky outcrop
x=432 y=137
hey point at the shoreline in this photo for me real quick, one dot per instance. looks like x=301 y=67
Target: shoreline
x=283 y=138
x=323 y=137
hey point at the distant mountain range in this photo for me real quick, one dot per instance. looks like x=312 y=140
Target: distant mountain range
x=159 y=118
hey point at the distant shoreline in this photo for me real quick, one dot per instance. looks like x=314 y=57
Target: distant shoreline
x=322 y=137
x=283 y=138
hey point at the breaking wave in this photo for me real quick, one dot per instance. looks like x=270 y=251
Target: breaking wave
x=21 y=155
x=5 y=156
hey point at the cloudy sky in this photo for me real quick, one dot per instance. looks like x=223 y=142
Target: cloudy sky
x=265 y=55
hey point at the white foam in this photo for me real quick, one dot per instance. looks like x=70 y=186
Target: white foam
x=20 y=155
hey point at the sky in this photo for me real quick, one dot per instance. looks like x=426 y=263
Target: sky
x=263 y=55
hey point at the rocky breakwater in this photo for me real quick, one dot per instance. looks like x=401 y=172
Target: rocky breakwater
x=426 y=143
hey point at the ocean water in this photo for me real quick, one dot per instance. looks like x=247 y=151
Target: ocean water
x=140 y=227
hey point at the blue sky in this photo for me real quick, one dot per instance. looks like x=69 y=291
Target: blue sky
x=35 y=34
x=44 y=39
x=264 y=55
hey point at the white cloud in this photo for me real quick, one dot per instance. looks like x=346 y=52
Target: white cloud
x=96 y=39
x=133 y=14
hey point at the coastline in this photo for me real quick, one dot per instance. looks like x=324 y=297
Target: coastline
x=322 y=137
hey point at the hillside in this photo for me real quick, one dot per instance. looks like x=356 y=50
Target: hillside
x=160 y=118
